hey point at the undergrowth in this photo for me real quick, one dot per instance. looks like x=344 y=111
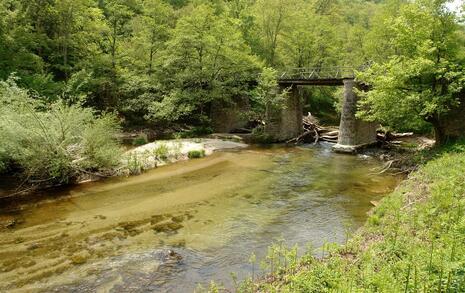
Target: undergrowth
x=54 y=143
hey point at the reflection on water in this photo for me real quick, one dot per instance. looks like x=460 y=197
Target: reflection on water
x=213 y=213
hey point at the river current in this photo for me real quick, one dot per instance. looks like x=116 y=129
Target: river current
x=186 y=224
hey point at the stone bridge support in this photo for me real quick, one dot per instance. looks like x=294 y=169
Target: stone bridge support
x=353 y=133
x=286 y=124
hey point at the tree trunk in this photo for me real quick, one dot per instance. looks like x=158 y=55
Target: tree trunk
x=65 y=58
x=439 y=133
x=151 y=61
x=113 y=45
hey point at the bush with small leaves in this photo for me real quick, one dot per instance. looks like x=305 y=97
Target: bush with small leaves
x=196 y=154
x=161 y=152
x=134 y=165
x=139 y=141
x=54 y=143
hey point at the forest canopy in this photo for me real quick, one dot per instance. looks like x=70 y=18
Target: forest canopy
x=157 y=62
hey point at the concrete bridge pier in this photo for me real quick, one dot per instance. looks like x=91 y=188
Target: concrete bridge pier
x=286 y=123
x=353 y=133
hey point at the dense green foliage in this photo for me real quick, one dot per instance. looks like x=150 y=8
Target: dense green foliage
x=156 y=61
x=266 y=97
x=423 y=75
x=53 y=143
x=208 y=61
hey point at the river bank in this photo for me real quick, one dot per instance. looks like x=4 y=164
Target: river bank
x=134 y=161
x=413 y=241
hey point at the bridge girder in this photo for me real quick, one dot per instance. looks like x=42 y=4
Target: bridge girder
x=326 y=76
x=314 y=82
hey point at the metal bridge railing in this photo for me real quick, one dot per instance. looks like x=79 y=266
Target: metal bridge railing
x=318 y=73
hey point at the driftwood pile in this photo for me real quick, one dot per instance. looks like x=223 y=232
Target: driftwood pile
x=314 y=132
x=392 y=138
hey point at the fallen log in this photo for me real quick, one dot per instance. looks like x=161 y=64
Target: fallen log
x=333 y=133
x=330 y=136
x=296 y=140
x=329 y=139
x=317 y=136
x=401 y=135
x=314 y=132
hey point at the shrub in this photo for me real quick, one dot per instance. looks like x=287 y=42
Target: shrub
x=134 y=165
x=261 y=137
x=139 y=141
x=196 y=154
x=161 y=152
x=176 y=150
x=194 y=132
x=4 y=158
x=3 y=163
x=54 y=143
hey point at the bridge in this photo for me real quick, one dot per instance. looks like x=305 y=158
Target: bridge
x=353 y=132
x=326 y=76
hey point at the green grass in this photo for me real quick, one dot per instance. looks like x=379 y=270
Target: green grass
x=139 y=141
x=196 y=154
x=427 y=155
x=161 y=152
x=414 y=241
x=195 y=132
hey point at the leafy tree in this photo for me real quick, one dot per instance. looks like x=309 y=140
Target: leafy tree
x=77 y=29
x=378 y=40
x=266 y=97
x=422 y=80
x=150 y=31
x=206 y=60
x=21 y=45
x=105 y=66
x=46 y=41
x=242 y=11
x=118 y=15
x=312 y=40
x=273 y=18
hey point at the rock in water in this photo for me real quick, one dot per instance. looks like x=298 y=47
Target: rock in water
x=173 y=256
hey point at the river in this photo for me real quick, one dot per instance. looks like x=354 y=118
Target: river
x=213 y=213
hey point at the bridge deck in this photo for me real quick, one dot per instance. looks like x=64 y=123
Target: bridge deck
x=328 y=76
x=320 y=82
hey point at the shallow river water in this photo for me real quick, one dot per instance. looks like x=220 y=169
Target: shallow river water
x=114 y=236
